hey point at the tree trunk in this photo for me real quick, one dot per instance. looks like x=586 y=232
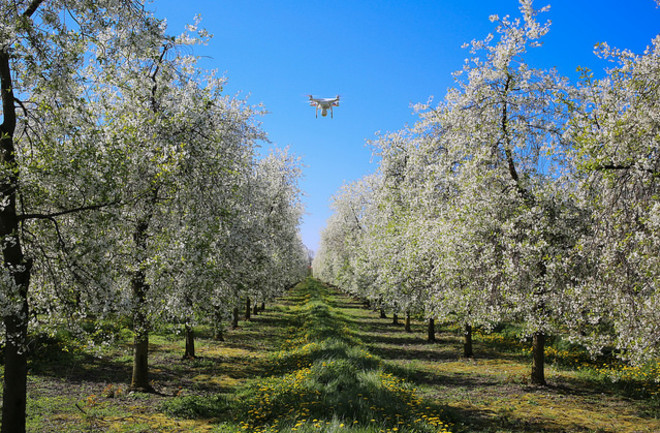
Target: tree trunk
x=15 y=263
x=140 y=376
x=395 y=319
x=538 y=359
x=139 y=289
x=248 y=308
x=234 y=318
x=382 y=314
x=190 y=342
x=263 y=306
x=431 y=331
x=255 y=309
x=467 y=342
x=217 y=325
x=15 y=377
x=408 y=328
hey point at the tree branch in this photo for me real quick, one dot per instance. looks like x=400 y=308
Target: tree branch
x=612 y=166
x=8 y=109
x=32 y=8
x=50 y=216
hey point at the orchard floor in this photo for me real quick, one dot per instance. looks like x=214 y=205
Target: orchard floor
x=72 y=391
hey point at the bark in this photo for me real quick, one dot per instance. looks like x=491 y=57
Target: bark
x=408 y=328
x=16 y=327
x=190 y=342
x=15 y=377
x=139 y=286
x=248 y=309
x=217 y=325
x=382 y=314
x=255 y=309
x=395 y=319
x=538 y=359
x=234 y=318
x=140 y=376
x=263 y=306
x=467 y=342
x=32 y=8
x=431 y=331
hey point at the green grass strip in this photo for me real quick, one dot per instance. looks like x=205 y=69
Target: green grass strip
x=324 y=380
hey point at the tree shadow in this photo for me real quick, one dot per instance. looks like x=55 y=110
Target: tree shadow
x=80 y=368
x=476 y=420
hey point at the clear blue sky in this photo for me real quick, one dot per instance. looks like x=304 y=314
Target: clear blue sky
x=381 y=56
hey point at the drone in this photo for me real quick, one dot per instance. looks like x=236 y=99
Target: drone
x=324 y=104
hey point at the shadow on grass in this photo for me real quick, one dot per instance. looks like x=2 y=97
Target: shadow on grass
x=647 y=401
x=215 y=372
x=472 y=420
x=392 y=342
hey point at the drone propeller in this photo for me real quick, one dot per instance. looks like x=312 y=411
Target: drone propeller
x=310 y=100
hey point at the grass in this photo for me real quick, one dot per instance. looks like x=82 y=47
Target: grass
x=323 y=379
x=317 y=361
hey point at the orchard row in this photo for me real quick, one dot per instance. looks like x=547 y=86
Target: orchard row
x=519 y=198
x=130 y=185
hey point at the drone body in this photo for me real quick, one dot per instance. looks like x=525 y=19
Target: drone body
x=324 y=104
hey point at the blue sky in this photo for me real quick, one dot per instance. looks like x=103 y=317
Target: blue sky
x=381 y=56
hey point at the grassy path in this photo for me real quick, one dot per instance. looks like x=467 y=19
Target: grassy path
x=318 y=361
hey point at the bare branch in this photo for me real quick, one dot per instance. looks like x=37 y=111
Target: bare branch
x=51 y=216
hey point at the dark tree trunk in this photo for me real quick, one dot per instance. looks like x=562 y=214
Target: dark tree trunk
x=431 y=331
x=395 y=319
x=15 y=377
x=255 y=309
x=139 y=286
x=467 y=342
x=190 y=342
x=217 y=325
x=408 y=328
x=140 y=376
x=234 y=318
x=20 y=267
x=248 y=308
x=538 y=359
x=263 y=306
x=382 y=314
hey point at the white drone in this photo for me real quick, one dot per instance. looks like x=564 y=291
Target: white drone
x=324 y=104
